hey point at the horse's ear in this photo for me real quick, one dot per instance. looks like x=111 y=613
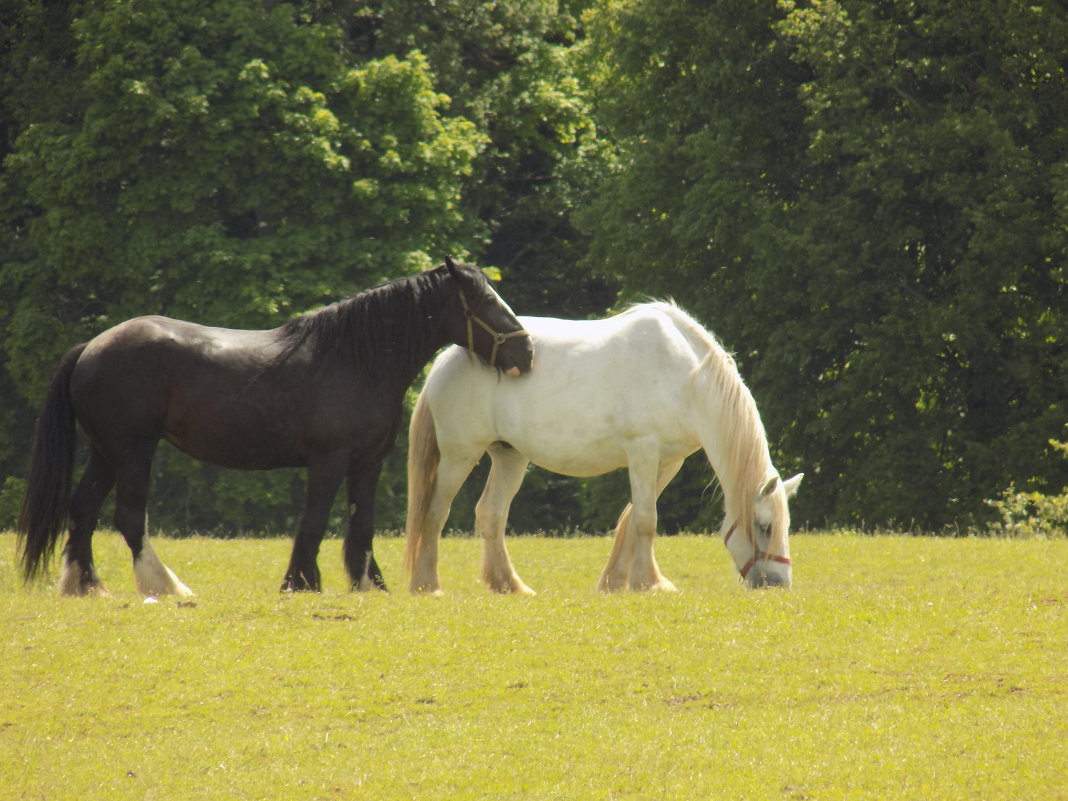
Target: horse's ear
x=791 y=485
x=450 y=265
x=769 y=488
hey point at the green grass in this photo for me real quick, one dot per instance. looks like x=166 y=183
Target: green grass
x=897 y=668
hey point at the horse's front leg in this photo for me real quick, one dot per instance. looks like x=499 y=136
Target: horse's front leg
x=359 y=554
x=324 y=477
x=491 y=519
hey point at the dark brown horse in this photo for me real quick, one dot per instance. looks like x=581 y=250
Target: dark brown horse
x=324 y=391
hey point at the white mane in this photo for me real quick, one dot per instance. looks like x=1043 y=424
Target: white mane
x=746 y=465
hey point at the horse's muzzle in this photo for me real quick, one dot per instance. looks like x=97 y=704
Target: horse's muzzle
x=516 y=356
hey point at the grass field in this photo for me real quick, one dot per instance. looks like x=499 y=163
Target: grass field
x=897 y=668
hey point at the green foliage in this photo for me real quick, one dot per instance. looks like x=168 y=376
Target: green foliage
x=867 y=202
x=898 y=667
x=11 y=492
x=236 y=163
x=1032 y=514
x=509 y=66
x=226 y=165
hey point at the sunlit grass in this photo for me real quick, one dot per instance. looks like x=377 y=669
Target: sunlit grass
x=897 y=668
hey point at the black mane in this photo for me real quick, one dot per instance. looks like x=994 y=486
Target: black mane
x=386 y=327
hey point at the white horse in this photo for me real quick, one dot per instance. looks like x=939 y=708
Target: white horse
x=644 y=390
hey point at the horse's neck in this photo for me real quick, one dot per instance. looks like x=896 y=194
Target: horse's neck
x=429 y=305
x=733 y=439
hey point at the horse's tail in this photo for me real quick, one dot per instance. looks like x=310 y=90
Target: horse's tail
x=46 y=504
x=620 y=533
x=613 y=577
x=424 y=457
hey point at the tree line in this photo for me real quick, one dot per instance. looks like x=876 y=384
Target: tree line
x=866 y=202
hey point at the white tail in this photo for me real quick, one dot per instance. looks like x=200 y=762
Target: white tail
x=617 y=571
x=423 y=459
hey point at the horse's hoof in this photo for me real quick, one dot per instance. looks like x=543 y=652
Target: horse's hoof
x=608 y=586
x=435 y=592
x=513 y=589
x=297 y=586
x=663 y=586
x=367 y=585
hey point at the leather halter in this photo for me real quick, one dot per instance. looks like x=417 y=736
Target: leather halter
x=757 y=554
x=498 y=338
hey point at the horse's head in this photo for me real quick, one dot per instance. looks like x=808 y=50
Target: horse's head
x=485 y=325
x=763 y=557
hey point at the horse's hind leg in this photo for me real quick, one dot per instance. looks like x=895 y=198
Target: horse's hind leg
x=491 y=518
x=632 y=563
x=79 y=575
x=616 y=573
x=645 y=572
x=131 y=500
x=453 y=470
x=359 y=553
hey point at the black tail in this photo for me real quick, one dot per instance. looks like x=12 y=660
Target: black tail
x=46 y=505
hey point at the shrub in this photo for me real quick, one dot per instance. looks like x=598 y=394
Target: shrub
x=1032 y=514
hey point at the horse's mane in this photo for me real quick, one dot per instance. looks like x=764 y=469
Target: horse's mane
x=380 y=328
x=747 y=462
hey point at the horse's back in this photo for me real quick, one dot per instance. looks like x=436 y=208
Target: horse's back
x=131 y=378
x=594 y=386
x=598 y=361
x=644 y=339
x=143 y=351
x=156 y=334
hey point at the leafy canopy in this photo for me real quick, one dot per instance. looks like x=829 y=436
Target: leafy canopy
x=867 y=201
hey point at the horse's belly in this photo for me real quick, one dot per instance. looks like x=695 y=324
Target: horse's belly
x=237 y=452
x=571 y=456
x=579 y=468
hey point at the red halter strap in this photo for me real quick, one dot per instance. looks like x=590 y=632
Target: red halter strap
x=757 y=554
x=498 y=338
